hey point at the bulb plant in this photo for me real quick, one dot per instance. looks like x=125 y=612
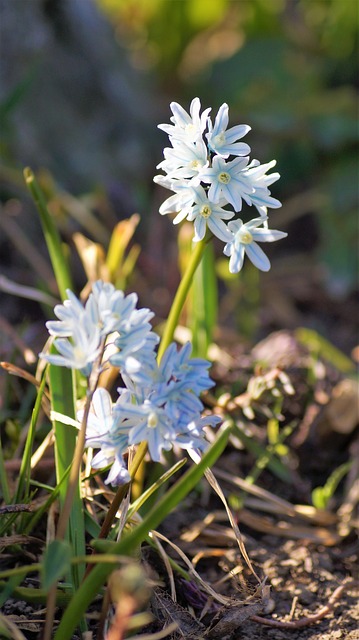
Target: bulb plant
x=157 y=405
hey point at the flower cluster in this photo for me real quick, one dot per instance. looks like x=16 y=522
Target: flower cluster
x=159 y=403
x=206 y=181
x=163 y=410
x=81 y=330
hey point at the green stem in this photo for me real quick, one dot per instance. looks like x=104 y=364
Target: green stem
x=181 y=295
x=120 y=495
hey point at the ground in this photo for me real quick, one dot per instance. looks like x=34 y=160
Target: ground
x=305 y=556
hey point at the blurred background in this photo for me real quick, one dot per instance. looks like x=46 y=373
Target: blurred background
x=84 y=84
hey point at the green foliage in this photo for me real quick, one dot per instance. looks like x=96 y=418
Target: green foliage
x=322 y=495
x=23 y=485
x=63 y=402
x=61 y=385
x=204 y=298
x=91 y=586
x=268 y=456
x=51 y=234
x=320 y=347
x=56 y=562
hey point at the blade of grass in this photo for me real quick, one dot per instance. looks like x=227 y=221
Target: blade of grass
x=62 y=395
x=320 y=347
x=137 y=504
x=51 y=234
x=35 y=596
x=23 y=486
x=125 y=546
x=47 y=504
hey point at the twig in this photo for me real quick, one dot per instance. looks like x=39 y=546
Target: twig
x=303 y=622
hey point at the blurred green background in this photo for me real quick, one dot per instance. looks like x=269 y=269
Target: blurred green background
x=84 y=84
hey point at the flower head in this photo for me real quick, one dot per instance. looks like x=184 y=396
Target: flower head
x=261 y=197
x=186 y=127
x=185 y=161
x=223 y=141
x=228 y=181
x=206 y=213
x=165 y=409
x=244 y=241
x=104 y=432
x=82 y=330
x=209 y=187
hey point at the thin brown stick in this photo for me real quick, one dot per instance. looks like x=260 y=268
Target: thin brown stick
x=303 y=622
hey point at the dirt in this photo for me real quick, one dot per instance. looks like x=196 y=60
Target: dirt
x=302 y=578
x=305 y=558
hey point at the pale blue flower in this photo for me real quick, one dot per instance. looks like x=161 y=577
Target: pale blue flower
x=223 y=141
x=244 y=241
x=206 y=213
x=79 y=353
x=136 y=358
x=185 y=161
x=261 y=198
x=153 y=426
x=186 y=127
x=100 y=418
x=83 y=330
x=228 y=180
x=108 y=307
x=103 y=431
x=180 y=202
x=177 y=364
x=165 y=409
x=192 y=437
x=70 y=314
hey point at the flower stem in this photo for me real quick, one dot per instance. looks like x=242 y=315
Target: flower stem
x=122 y=490
x=181 y=295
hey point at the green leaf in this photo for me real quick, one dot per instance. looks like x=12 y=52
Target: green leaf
x=23 y=487
x=319 y=498
x=51 y=234
x=145 y=495
x=56 y=562
x=63 y=402
x=95 y=580
x=322 y=495
x=319 y=346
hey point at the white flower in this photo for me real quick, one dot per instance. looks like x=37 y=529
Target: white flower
x=244 y=241
x=187 y=128
x=103 y=431
x=70 y=314
x=180 y=201
x=206 y=213
x=223 y=141
x=153 y=426
x=83 y=330
x=261 y=197
x=228 y=180
x=79 y=353
x=185 y=160
x=136 y=346
x=108 y=308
